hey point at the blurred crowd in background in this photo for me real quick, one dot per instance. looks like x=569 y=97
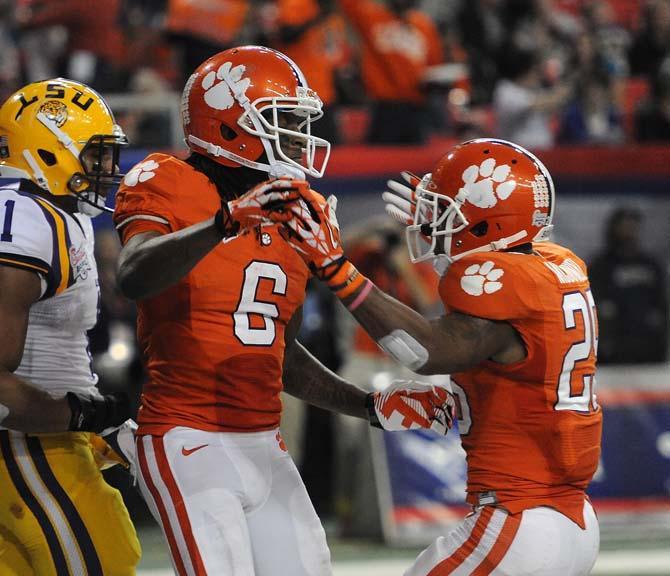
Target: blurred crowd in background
x=538 y=72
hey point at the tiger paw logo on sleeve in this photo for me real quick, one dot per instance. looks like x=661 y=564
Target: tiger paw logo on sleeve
x=141 y=173
x=481 y=279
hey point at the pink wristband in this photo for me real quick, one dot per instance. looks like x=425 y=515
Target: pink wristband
x=362 y=295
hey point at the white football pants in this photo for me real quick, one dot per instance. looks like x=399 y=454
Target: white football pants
x=231 y=504
x=537 y=542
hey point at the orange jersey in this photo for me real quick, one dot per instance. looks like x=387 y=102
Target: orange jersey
x=531 y=430
x=395 y=51
x=213 y=343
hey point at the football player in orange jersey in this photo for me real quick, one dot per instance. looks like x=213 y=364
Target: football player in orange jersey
x=519 y=338
x=219 y=296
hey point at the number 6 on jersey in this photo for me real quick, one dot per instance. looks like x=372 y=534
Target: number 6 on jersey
x=253 y=273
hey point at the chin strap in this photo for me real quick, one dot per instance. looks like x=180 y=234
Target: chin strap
x=440 y=264
x=277 y=169
x=62 y=136
x=218 y=151
x=495 y=246
x=544 y=234
x=38 y=175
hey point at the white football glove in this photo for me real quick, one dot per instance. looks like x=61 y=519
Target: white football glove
x=412 y=405
x=400 y=198
x=313 y=231
x=118 y=446
x=265 y=203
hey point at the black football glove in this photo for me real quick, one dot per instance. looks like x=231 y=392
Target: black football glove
x=95 y=414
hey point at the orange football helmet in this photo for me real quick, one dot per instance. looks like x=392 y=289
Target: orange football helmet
x=483 y=195
x=230 y=111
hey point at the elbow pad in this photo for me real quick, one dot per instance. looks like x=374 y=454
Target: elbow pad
x=404 y=348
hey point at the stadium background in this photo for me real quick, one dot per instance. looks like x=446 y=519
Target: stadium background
x=383 y=497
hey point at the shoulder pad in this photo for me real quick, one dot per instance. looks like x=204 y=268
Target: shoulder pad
x=148 y=189
x=34 y=236
x=490 y=285
x=153 y=166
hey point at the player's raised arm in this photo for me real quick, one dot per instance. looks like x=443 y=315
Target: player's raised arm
x=25 y=407
x=449 y=344
x=452 y=343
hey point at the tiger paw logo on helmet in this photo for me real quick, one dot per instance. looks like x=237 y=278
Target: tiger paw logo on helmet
x=479 y=182
x=141 y=173
x=481 y=279
x=225 y=85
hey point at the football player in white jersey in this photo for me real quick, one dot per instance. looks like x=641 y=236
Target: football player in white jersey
x=60 y=145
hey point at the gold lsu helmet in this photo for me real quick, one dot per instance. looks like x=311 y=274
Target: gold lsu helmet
x=62 y=136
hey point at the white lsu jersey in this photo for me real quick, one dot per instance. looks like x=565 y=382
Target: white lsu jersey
x=36 y=235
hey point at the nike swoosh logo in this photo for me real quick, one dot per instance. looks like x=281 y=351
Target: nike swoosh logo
x=188 y=451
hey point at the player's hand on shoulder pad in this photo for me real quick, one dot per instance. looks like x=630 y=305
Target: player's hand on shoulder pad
x=267 y=202
x=313 y=231
x=95 y=413
x=412 y=405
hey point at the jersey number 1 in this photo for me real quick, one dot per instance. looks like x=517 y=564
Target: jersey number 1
x=267 y=311
x=6 y=235
x=578 y=303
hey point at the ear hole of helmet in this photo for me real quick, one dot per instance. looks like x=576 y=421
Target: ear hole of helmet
x=78 y=183
x=47 y=157
x=227 y=133
x=480 y=229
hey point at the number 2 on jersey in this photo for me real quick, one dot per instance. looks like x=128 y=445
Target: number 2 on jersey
x=6 y=235
x=583 y=304
x=253 y=273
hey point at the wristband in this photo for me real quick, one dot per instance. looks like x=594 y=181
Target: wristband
x=346 y=281
x=78 y=416
x=372 y=413
x=362 y=295
x=93 y=414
